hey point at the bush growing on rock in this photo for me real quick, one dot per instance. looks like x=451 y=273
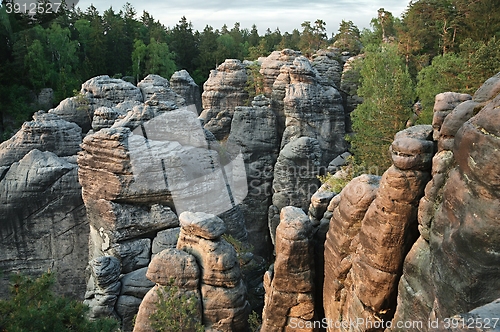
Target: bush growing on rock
x=176 y=311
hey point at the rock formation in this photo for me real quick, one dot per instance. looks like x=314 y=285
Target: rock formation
x=271 y=65
x=295 y=177
x=222 y=92
x=328 y=66
x=452 y=267
x=185 y=86
x=41 y=229
x=254 y=135
x=289 y=283
x=138 y=172
x=42 y=217
x=223 y=292
x=371 y=231
x=174 y=272
x=106 y=91
x=314 y=110
x=46 y=132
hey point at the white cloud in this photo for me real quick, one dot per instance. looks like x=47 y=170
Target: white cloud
x=287 y=15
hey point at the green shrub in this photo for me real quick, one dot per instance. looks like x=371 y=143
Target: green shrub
x=34 y=307
x=176 y=311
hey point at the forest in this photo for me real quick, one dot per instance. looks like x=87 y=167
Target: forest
x=438 y=45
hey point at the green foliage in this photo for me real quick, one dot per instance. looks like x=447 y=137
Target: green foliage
x=348 y=38
x=445 y=74
x=176 y=311
x=242 y=249
x=34 y=307
x=388 y=94
x=255 y=81
x=461 y=72
x=254 y=322
x=313 y=37
x=336 y=182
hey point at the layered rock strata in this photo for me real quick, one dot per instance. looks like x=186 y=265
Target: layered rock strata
x=451 y=268
x=223 y=292
x=254 y=135
x=289 y=283
x=222 y=92
x=175 y=273
x=371 y=232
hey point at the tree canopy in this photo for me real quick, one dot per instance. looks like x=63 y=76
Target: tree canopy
x=61 y=50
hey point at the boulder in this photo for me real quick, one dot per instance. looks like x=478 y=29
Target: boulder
x=46 y=132
x=185 y=86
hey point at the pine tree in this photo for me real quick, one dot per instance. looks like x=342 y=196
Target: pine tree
x=388 y=94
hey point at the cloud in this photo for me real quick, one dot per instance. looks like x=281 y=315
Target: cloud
x=287 y=15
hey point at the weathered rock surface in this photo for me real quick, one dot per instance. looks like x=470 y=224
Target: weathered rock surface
x=295 y=177
x=271 y=65
x=371 y=233
x=254 y=135
x=106 y=91
x=445 y=103
x=185 y=86
x=289 y=284
x=225 y=307
x=342 y=239
x=313 y=110
x=41 y=229
x=75 y=110
x=46 y=132
x=452 y=267
x=328 y=66
x=222 y=92
x=170 y=268
x=104 y=279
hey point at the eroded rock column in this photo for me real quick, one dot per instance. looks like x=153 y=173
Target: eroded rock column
x=289 y=284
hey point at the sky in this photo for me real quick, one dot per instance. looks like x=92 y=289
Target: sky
x=285 y=15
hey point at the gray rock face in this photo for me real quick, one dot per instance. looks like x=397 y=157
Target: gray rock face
x=46 y=132
x=105 y=274
x=254 y=135
x=75 y=110
x=222 y=92
x=106 y=91
x=41 y=229
x=165 y=239
x=328 y=66
x=156 y=92
x=295 y=177
x=313 y=110
x=185 y=86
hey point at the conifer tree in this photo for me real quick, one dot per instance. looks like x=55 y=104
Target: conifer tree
x=388 y=94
